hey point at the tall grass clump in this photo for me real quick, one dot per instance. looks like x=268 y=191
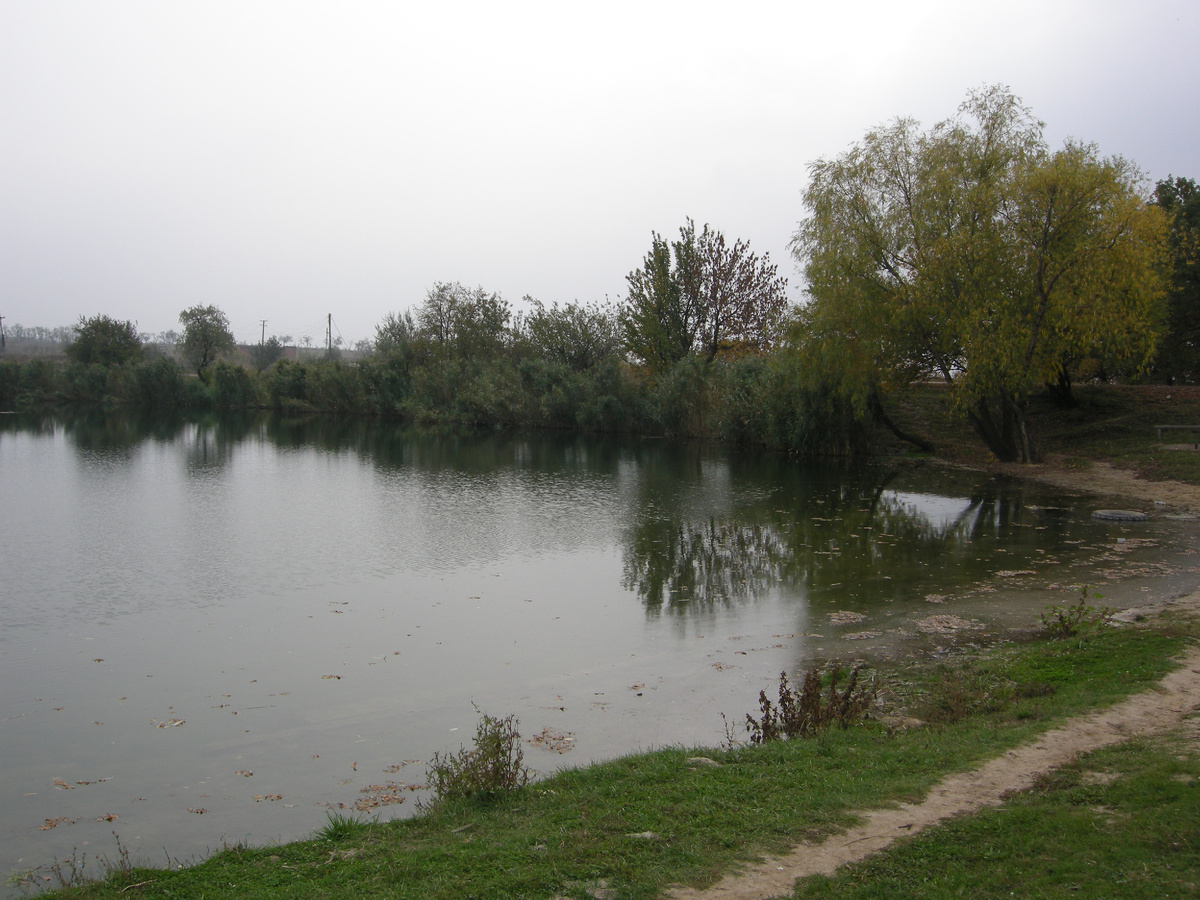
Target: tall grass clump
x=816 y=706
x=494 y=765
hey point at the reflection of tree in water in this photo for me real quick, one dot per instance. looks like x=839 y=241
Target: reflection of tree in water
x=215 y=437
x=851 y=533
x=456 y=451
x=115 y=433
x=678 y=563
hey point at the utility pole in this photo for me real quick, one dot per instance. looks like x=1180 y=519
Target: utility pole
x=329 y=335
x=1 y=333
x=263 y=341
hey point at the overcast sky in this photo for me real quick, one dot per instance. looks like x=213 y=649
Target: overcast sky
x=289 y=160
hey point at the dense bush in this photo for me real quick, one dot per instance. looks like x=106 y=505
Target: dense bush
x=103 y=341
x=332 y=386
x=287 y=382
x=37 y=382
x=10 y=384
x=233 y=387
x=159 y=384
x=85 y=382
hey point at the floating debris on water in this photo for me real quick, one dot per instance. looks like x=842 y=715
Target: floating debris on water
x=946 y=625
x=1120 y=515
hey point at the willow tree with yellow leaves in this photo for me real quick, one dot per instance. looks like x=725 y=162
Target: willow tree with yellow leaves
x=972 y=253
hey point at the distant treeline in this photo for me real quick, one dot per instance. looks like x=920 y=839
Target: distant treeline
x=563 y=367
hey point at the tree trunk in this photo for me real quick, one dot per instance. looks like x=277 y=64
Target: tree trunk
x=997 y=436
x=876 y=407
x=1060 y=390
x=1008 y=437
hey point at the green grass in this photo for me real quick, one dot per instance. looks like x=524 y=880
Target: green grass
x=582 y=829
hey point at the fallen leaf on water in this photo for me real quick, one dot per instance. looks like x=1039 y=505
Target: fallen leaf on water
x=97 y=660
x=58 y=782
x=244 y=773
x=843 y=617
x=334 y=677
x=381 y=795
x=55 y=822
x=549 y=739
x=111 y=817
x=945 y=624
x=198 y=810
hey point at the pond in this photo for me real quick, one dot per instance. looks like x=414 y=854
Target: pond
x=215 y=630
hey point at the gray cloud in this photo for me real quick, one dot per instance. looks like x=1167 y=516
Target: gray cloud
x=289 y=160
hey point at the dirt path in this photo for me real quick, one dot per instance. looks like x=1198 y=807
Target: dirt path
x=1161 y=708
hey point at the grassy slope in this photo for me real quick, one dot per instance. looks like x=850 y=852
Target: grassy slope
x=1111 y=423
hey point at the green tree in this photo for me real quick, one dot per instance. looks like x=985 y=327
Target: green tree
x=973 y=253
x=264 y=355
x=206 y=336
x=661 y=322
x=467 y=323
x=103 y=341
x=395 y=333
x=1179 y=357
x=701 y=294
x=575 y=335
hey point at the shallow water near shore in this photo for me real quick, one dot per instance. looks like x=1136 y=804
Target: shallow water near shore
x=217 y=630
